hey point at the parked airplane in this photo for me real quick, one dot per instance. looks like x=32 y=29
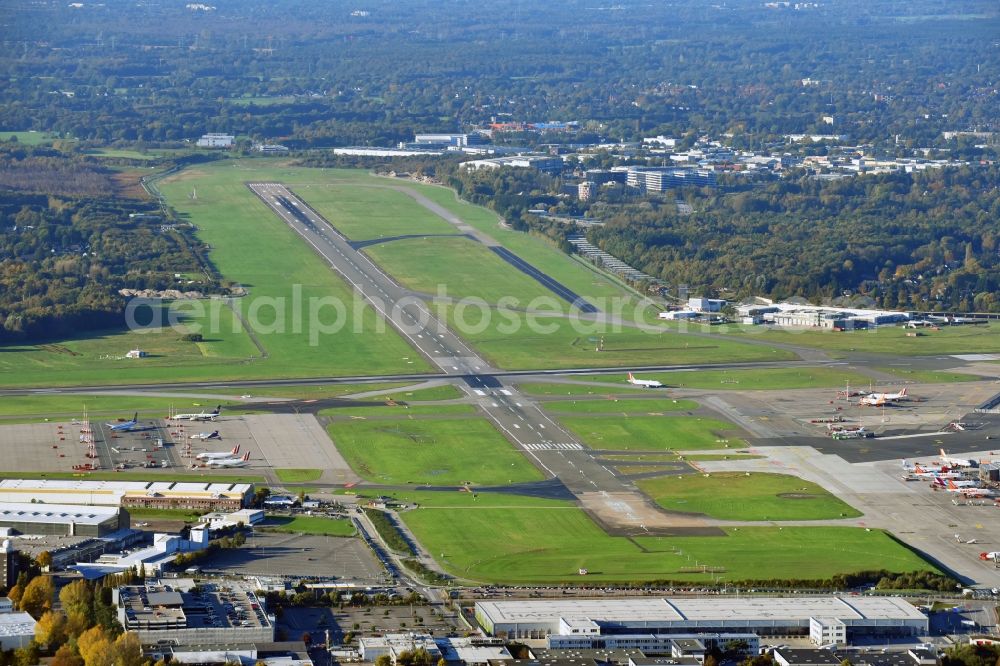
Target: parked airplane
x=956 y=462
x=925 y=473
x=219 y=455
x=207 y=435
x=994 y=555
x=881 y=399
x=202 y=416
x=230 y=462
x=953 y=486
x=644 y=383
x=977 y=492
x=125 y=426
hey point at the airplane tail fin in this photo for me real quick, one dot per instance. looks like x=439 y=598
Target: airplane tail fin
x=951 y=484
x=630 y=377
x=903 y=392
x=235 y=450
x=943 y=454
x=218 y=409
x=246 y=457
x=135 y=417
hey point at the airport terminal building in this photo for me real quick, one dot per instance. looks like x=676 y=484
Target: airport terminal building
x=595 y=622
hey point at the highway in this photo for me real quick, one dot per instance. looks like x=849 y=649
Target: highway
x=611 y=499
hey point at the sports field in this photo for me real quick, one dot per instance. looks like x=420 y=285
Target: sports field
x=433 y=451
x=519 y=540
x=653 y=433
x=738 y=496
x=516 y=341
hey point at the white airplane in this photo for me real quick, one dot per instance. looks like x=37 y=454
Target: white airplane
x=219 y=455
x=953 y=486
x=125 y=425
x=202 y=416
x=644 y=383
x=879 y=399
x=994 y=555
x=956 y=462
x=230 y=462
x=207 y=435
x=924 y=473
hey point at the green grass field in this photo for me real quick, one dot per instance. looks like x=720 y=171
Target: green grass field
x=543 y=389
x=432 y=451
x=928 y=376
x=514 y=341
x=298 y=475
x=186 y=515
x=605 y=406
x=30 y=138
x=337 y=527
x=885 y=339
x=363 y=208
x=737 y=496
x=762 y=379
x=652 y=433
x=36 y=407
x=456 y=268
x=444 y=392
x=519 y=540
x=398 y=411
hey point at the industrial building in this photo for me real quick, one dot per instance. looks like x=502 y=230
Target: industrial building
x=816 y=617
x=208 y=614
x=373 y=647
x=649 y=643
x=545 y=164
x=66 y=519
x=660 y=179
x=16 y=628
x=146 y=494
x=148 y=561
x=216 y=141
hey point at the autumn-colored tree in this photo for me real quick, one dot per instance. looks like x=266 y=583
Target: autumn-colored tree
x=51 y=629
x=89 y=639
x=65 y=656
x=37 y=596
x=14 y=594
x=44 y=559
x=128 y=651
x=77 y=600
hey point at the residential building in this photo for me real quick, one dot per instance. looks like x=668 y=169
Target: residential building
x=586 y=190
x=660 y=179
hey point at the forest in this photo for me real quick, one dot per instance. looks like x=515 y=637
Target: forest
x=66 y=247
x=313 y=74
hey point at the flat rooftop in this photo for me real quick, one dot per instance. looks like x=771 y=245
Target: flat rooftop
x=16 y=624
x=25 y=512
x=693 y=610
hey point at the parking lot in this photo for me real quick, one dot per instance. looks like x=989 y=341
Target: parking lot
x=302 y=556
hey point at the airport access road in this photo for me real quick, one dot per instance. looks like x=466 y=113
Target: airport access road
x=608 y=496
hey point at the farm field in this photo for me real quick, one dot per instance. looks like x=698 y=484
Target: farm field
x=518 y=540
x=652 y=433
x=509 y=342
x=29 y=138
x=758 y=379
x=439 y=451
x=457 y=268
x=737 y=496
x=606 y=406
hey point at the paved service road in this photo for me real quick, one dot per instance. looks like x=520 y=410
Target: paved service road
x=609 y=497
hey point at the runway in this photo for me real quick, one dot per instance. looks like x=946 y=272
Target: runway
x=551 y=448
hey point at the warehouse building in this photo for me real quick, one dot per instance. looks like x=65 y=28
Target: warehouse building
x=16 y=629
x=63 y=519
x=147 y=494
x=764 y=616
